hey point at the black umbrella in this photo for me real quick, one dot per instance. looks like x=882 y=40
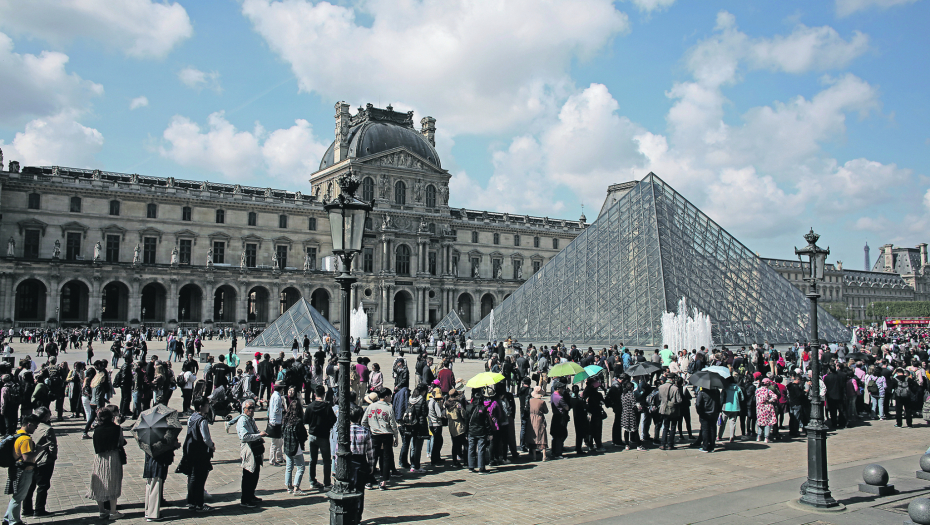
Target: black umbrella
x=645 y=368
x=860 y=356
x=706 y=379
x=157 y=430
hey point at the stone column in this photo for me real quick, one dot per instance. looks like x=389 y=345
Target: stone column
x=93 y=306
x=416 y=309
x=135 y=300
x=9 y=296
x=171 y=309
x=390 y=305
x=476 y=308
x=354 y=295
x=384 y=293
x=242 y=303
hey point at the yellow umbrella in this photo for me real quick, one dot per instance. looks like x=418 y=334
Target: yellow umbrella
x=484 y=379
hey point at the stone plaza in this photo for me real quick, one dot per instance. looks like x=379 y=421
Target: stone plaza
x=747 y=483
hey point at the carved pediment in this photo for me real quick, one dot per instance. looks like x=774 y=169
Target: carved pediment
x=251 y=239
x=219 y=236
x=475 y=253
x=185 y=234
x=31 y=224
x=150 y=232
x=283 y=240
x=72 y=226
x=401 y=158
x=113 y=229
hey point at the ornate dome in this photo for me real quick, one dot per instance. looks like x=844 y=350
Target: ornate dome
x=375 y=130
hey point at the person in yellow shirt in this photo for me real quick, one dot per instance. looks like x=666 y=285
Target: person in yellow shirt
x=20 y=474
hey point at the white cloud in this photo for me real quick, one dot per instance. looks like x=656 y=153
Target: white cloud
x=648 y=6
x=138 y=28
x=39 y=85
x=480 y=66
x=55 y=140
x=197 y=79
x=139 y=102
x=290 y=154
x=848 y=7
x=756 y=176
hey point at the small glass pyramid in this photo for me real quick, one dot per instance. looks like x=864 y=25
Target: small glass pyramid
x=299 y=320
x=646 y=251
x=451 y=321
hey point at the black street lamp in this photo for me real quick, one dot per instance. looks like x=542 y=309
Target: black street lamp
x=816 y=490
x=347 y=216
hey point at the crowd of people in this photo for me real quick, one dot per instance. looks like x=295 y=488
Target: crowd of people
x=523 y=415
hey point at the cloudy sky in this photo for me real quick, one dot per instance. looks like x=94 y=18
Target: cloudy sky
x=772 y=117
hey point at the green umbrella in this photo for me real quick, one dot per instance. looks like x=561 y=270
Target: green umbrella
x=587 y=373
x=484 y=379
x=565 y=369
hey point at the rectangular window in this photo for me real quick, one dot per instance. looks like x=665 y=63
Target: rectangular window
x=474 y=237
x=33 y=201
x=282 y=221
x=555 y=244
x=186 y=213
x=516 y=269
x=536 y=266
x=151 y=211
x=535 y=242
x=431 y=261
x=220 y=216
x=75 y=205
x=112 y=248
x=455 y=265
x=253 y=218
x=114 y=207
x=31 y=244
x=184 y=255
x=475 y=262
x=368 y=260
x=72 y=246
x=251 y=251
x=219 y=252
x=149 y=245
x=282 y=256
x=311 y=224
x=497 y=238
x=311 y=253
x=516 y=240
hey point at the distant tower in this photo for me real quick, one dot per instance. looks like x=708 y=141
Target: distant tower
x=583 y=219
x=866 y=257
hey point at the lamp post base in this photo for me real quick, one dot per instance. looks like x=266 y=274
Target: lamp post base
x=815 y=492
x=344 y=505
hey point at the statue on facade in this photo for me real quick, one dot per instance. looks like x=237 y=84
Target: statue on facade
x=205 y=185
x=97 y=250
x=298 y=196
x=444 y=194
x=56 y=252
x=268 y=192
x=520 y=271
x=210 y=258
x=500 y=273
x=474 y=271
x=134 y=178
x=242 y=261
x=385 y=186
x=56 y=171
x=237 y=189
x=174 y=256
x=136 y=255
x=169 y=182
x=423 y=226
x=11 y=247
x=418 y=190
x=96 y=175
x=274 y=259
x=14 y=166
x=307 y=263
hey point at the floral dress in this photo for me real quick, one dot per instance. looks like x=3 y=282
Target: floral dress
x=629 y=419
x=765 y=406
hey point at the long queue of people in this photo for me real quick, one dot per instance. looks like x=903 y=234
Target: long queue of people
x=429 y=403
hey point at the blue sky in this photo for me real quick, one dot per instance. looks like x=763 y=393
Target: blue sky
x=770 y=116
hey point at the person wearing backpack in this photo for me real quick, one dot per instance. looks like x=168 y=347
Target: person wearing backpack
x=901 y=386
x=123 y=381
x=18 y=454
x=379 y=418
x=10 y=399
x=478 y=428
x=670 y=400
x=876 y=387
x=46 y=446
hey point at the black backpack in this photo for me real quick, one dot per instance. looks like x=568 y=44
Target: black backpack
x=7 y=454
x=653 y=401
x=15 y=394
x=55 y=382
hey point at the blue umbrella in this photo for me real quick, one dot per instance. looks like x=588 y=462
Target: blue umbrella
x=721 y=371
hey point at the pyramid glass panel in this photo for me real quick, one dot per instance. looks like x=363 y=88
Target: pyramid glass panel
x=451 y=321
x=652 y=247
x=299 y=320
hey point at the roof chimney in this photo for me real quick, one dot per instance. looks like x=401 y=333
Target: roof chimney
x=428 y=129
x=888 y=257
x=341 y=147
x=923 y=253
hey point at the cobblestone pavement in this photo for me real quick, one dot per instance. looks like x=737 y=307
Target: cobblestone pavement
x=573 y=490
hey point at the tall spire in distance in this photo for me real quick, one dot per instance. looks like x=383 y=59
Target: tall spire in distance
x=867 y=268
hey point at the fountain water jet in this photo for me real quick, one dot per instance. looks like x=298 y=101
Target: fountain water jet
x=683 y=332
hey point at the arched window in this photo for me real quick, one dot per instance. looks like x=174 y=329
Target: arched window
x=368 y=189
x=403 y=260
x=430 y=196
x=400 y=193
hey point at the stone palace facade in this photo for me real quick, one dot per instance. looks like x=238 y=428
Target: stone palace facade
x=89 y=247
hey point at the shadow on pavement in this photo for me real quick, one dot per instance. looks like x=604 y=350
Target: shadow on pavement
x=405 y=519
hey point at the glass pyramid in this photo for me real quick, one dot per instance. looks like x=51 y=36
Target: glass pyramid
x=646 y=251
x=299 y=320
x=451 y=321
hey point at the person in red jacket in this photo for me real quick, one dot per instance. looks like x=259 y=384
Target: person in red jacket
x=446 y=377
